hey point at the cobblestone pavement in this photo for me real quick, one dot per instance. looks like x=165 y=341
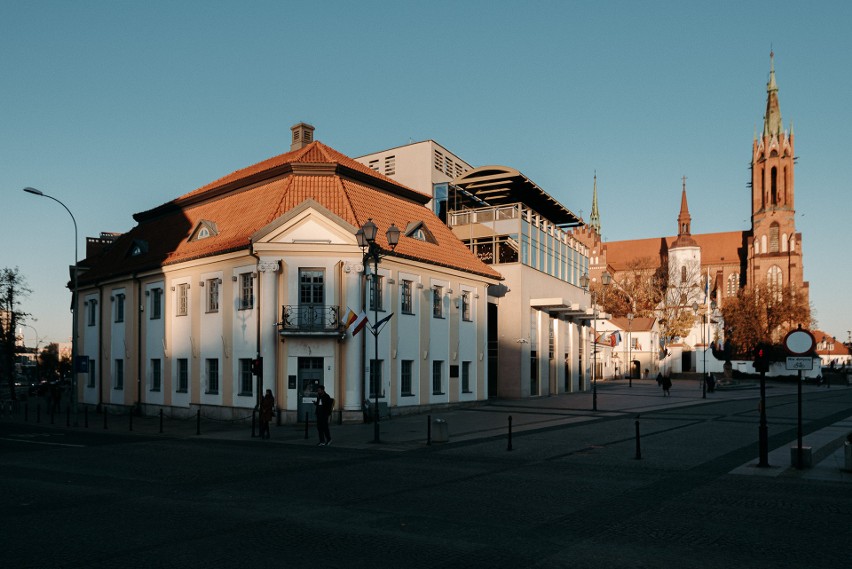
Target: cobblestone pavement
x=570 y=493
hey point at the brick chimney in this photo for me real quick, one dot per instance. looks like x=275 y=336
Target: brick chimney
x=303 y=134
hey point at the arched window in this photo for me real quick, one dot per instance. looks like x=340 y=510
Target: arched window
x=733 y=284
x=773 y=237
x=774 y=281
x=784 y=242
x=773 y=191
x=792 y=243
x=763 y=243
x=683 y=274
x=756 y=246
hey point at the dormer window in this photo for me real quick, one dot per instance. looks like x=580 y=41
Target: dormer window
x=203 y=230
x=139 y=247
x=418 y=230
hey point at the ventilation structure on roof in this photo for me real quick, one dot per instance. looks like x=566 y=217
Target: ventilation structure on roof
x=303 y=134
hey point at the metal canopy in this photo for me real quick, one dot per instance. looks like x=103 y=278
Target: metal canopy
x=500 y=185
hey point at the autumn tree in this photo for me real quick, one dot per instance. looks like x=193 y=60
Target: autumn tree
x=13 y=287
x=639 y=289
x=764 y=314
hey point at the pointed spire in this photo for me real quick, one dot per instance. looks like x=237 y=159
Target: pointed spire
x=772 y=124
x=595 y=218
x=683 y=218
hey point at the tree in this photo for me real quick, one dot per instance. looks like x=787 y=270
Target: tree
x=13 y=287
x=764 y=314
x=49 y=362
x=637 y=290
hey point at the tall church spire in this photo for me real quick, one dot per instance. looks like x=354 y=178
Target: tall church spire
x=595 y=218
x=772 y=124
x=684 y=220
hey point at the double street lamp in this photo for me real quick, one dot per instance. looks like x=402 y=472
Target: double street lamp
x=630 y=349
x=585 y=282
x=74 y=303
x=695 y=309
x=366 y=237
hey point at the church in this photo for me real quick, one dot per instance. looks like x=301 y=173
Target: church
x=713 y=267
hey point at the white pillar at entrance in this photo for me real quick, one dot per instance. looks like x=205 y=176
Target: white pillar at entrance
x=268 y=319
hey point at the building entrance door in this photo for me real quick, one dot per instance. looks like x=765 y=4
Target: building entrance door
x=309 y=378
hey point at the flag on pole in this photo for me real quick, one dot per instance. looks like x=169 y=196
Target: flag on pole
x=377 y=326
x=358 y=324
x=707 y=287
x=350 y=318
x=615 y=338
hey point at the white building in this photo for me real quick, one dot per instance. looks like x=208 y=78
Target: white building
x=259 y=269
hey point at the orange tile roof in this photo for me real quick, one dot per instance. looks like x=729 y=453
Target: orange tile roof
x=716 y=249
x=247 y=200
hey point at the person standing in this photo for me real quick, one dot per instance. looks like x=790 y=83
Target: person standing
x=267 y=408
x=667 y=384
x=324 y=404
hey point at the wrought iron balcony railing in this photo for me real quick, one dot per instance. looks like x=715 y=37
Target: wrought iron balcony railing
x=309 y=318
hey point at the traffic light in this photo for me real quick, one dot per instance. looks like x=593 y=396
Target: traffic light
x=256 y=366
x=762 y=358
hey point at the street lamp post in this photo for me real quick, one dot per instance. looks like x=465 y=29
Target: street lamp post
x=585 y=282
x=373 y=251
x=630 y=349
x=74 y=304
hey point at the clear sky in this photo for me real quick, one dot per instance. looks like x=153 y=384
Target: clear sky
x=114 y=107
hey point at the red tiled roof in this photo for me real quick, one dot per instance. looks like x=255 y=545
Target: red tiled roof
x=716 y=249
x=247 y=200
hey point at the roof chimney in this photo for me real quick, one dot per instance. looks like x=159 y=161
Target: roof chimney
x=303 y=134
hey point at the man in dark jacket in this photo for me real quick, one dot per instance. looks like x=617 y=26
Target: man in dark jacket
x=323 y=404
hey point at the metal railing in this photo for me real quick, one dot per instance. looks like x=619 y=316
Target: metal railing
x=313 y=318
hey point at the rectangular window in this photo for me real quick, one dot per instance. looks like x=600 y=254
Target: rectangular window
x=245 y=377
x=156 y=303
x=438 y=302
x=376 y=292
x=212 y=369
x=182 y=299
x=212 y=295
x=119 y=308
x=118 y=380
x=375 y=377
x=407 y=304
x=156 y=375
x=405 y=377
x=246 y=291
x=465 y=377
x=437 y=378
x=467 y=315
x=182 y=375
x=90 y=381
x=91 y=313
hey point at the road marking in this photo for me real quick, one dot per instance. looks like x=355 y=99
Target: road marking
x=41 y=443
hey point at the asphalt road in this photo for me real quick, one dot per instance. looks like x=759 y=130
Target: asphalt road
x=570 y=495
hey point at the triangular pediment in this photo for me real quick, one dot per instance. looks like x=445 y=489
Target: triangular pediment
x=308 y=223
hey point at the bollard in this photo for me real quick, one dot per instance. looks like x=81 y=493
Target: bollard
x=510 y=434
x=638 y=449
x=198 y=422
x=307 y=423
x=131 y=419
x=428 y=429
x=161 y=420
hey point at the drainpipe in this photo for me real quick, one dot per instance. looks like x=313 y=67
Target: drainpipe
x=101 y=348
x=257 y=321
x=139 y=315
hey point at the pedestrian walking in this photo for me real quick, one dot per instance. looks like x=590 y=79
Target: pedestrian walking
x=667 y=384
x=324 y=404
x=267 y=409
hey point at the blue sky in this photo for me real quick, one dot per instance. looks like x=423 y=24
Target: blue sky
x=115 y=107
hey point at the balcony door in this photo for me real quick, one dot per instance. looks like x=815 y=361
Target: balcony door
x=312 y=299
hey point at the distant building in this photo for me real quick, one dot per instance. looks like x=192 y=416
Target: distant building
x=246 y=284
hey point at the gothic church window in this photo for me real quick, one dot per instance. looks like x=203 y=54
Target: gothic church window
x=733 y=284
x=774 y=280
x=773 y=195
x=773 y=237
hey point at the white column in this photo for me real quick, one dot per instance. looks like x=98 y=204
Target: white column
x=268 y=316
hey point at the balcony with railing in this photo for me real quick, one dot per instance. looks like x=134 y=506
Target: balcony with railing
x=309 y=319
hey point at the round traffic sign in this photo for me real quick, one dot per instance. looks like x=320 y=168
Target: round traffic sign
x=799 y=342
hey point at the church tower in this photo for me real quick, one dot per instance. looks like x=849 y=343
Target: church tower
x=684 y=262
x=774 y=255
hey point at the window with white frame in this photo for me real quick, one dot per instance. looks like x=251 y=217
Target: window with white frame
x=405 y=295
x=212 y=295
x=246 y=291
x=156 y=375
x=90 y=382
x=376 y=292
x=182 y=299
x=375 y=378
x=212 y=370
x=92 y=312
x=466 y=311
x=119 y=307
x=118 y=380
x=182 y=375
x=438 y=302
x=245 y=377
x=405 y=378
x=465 y=377
x=437 y=377
x=156 y=303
